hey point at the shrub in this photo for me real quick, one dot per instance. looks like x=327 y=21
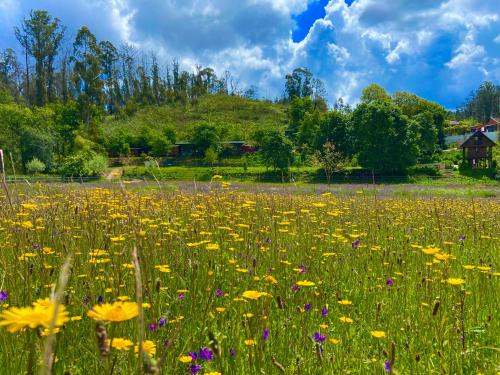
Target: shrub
x=83 y=164
x=97 y=165
x=35 y=166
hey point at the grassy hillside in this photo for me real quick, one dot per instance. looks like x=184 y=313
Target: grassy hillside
x=238 y=116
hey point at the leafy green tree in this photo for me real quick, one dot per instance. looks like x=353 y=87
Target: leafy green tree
x=335 y=129
x=482 y=103
x=299 y=107
x=275 y=149
x=427 y=136
x=205 y=136
x=35 y=166
x=108 y=56
x=87 y=69
x=41 y=36
x=386 y=141
x=374 y=92
x=432 y=129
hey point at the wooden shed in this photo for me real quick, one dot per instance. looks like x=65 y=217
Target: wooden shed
x=478 y=150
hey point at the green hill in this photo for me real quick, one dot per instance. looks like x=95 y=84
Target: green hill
x=238 y=117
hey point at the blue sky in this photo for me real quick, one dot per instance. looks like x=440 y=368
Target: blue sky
x=438 y=49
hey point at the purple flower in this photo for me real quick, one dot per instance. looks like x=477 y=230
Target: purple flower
x=180 y=296
x=318 y=337
x=387 y=366
x=302 y=269
x=219 y=293
x=162 y=321
x=308 y=307
x=232 y=352
x=193 y=356
x=206 y=354
x=295 y=287
x=389 y=282
x=100 y=299
x=355 y=244
x=153 y=327
x=268 y=240
x=265 y=334
x=324 y=312
x=461 y=238
x=195 y=368
x=3 y=296
x=36 y=246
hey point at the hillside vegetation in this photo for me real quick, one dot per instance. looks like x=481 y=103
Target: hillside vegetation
x=239 y=116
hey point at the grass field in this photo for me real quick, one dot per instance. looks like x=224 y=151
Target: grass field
x=247 y=281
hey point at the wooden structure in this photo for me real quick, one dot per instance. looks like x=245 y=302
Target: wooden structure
x=478 y=150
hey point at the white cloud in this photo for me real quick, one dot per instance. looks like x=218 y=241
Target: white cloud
x=437 y=48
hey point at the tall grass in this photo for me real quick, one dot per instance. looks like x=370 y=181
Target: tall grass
x=353 y=283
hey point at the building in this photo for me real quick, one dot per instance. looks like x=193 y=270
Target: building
x=478 y=150
x=491 y=126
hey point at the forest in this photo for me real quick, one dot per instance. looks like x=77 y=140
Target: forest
x=67 y=106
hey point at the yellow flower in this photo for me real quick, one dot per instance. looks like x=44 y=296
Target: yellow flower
x=40 y=314
x=220 y=309
x=378 y=334
x=212 y=246
x=47 y=332
x=345 y=319
x=253 y=294
x=116 y=312
x=345 y=302
x=248 y=315
x=271 y=279
x=216 y=177
x=305 y=283
x=455 y=281
x=249 y=342
x=334 y=341
x=120 y=344
x=185 y=359
x=213 y=373
x=148 y=347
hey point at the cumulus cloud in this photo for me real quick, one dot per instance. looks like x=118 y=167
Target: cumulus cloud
x=440 y=49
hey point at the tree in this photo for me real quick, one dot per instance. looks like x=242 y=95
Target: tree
x=276 y=149
x=482 y=103
x=41 y=36
x=298 y=109
x=335 y=129
x=87 y=68
x=386 y=141
x=108 y=56
x=374 y=92
x=432 y=129
x=298 y=84
x=206 y=136
x=427 y=136
x=331 y=160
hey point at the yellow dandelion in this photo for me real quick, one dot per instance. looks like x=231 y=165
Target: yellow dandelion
x=119 y=343
x=345 y=319
x=249 y=342
x=455 y=281
x=253 y=294
x=345 y=302
x=148 y=347
x=185 y=359
x=305 y=283
x=378 y=334
x=116 y=312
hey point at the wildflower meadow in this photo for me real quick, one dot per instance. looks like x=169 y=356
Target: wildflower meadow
x=129 y=281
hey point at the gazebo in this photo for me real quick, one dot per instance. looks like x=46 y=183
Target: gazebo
x=478 y=150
